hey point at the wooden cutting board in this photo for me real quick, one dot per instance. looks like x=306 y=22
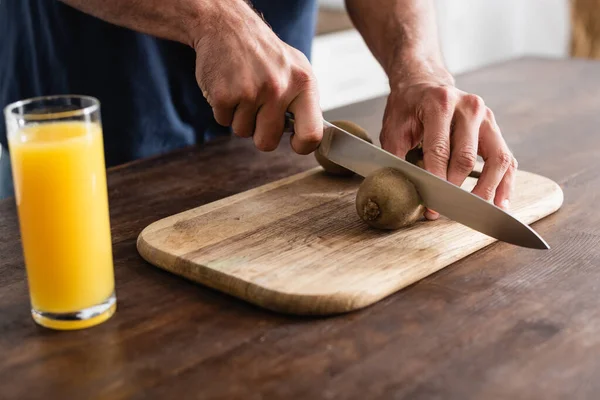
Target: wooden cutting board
x=297 y=245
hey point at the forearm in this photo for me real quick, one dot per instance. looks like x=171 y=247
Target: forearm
x=179 y=20
x=401 y=34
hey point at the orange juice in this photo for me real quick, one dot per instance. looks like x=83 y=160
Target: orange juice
x=60 y=189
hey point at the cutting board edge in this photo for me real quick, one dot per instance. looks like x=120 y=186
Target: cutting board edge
x=555 y=201
x=312 y=304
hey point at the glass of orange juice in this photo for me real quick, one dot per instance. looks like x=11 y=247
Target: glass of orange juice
x=57 y=157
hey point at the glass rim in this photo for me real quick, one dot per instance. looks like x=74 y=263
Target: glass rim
x=9 y=110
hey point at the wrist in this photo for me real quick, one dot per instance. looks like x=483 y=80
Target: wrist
x=210 y=17
x=410 y=67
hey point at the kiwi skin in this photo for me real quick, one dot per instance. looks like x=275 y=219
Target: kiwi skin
x=386 y=199
x=331 y=167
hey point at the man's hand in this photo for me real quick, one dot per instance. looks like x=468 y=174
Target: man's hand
x=251 y=78
x=248 y=75
x=454 y=128
x=424 y=104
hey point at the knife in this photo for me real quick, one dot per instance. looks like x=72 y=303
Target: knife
x=449 y=200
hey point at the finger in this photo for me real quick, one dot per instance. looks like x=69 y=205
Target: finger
x=270 y=122
x=431 y=215
x=223 y=115
x=223 y=106
x=308 y=126
x=467 y=121
x=497 y=160
x=506 y=186
x=244 y=119
x=437 y=117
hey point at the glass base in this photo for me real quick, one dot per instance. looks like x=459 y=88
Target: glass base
x=85 y=318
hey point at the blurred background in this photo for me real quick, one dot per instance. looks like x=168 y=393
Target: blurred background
x=473 y=33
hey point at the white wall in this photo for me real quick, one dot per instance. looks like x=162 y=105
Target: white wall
x=477 y=32
x=473 y=33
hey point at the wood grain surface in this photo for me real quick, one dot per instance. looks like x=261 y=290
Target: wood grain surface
x=503 y=323
x=297 y=245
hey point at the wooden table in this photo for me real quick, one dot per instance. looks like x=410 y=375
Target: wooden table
x=506 y=322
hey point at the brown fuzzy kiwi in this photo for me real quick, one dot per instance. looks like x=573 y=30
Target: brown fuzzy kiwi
x=331 y=167
x=386 y=199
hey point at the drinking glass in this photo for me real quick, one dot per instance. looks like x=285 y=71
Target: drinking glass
x=59 y=176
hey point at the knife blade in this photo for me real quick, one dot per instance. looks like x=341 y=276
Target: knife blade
x=449 y=200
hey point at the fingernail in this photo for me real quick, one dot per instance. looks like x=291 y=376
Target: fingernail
x=431 y=215
x=505 y=204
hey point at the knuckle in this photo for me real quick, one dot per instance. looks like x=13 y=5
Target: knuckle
x=247 y=94
x=220 y=98
x=465 y=160
x=303 y=78
x=474 y=103
x=514 y=164
x=282 y=59
x=442 y=98
x=488 y=192
x=274 y=86
x=504 y=160
x=439 y=151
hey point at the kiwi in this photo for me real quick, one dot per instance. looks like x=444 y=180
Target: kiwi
x=331 y=167
x=386 y=199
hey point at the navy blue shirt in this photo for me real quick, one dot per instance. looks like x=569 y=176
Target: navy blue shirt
x=150 y=100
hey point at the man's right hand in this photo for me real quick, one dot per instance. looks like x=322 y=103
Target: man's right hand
x=251 y=78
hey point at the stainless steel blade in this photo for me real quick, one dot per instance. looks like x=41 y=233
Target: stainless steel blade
x=447 y=199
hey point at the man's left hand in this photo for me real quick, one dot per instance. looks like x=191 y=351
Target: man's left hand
x=454 y=127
